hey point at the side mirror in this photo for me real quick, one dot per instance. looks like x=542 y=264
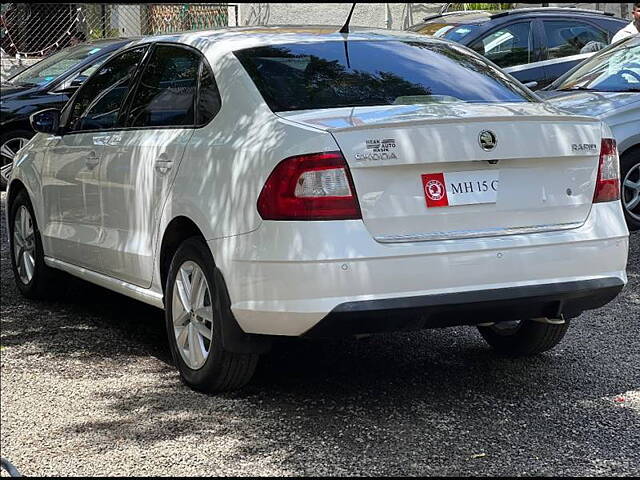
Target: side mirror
x=46 y=121
x=531 y=85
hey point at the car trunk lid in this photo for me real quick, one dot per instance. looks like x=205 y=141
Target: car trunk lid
x=430 y=172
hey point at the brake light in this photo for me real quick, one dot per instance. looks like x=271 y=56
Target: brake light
x=608 y=181
x=317 y=186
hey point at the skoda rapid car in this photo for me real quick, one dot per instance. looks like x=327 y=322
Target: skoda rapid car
x=299 y=182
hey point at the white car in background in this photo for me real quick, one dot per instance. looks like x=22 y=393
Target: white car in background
x=299 y=182
x=607 y=86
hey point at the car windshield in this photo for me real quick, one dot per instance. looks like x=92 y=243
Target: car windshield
x=455 y=33
x=52 y=67
x=614 y=70
x=331 y=74
x=451 y=31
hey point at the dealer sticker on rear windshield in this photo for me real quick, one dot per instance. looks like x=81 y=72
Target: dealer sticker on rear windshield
x=461 y=188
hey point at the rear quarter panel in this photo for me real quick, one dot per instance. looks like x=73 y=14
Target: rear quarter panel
x=227 y=162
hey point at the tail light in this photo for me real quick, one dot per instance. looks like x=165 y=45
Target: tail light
x=317 y=186
x=608 y=181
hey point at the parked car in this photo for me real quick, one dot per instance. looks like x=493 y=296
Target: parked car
x=608 y=86
x=288 y=182
x=48 y=83
x=535 y=45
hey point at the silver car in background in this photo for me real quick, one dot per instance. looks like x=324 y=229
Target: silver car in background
x=607 y=86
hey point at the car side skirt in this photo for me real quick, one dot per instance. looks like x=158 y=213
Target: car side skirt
x=142 y=294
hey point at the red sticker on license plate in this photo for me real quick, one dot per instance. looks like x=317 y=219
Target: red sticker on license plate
x=435 y=190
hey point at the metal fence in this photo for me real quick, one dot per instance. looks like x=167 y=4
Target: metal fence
x=39 y=29
x=32 y=31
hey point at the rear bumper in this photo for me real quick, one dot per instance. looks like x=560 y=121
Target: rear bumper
x=567 y=299
x=287 y=277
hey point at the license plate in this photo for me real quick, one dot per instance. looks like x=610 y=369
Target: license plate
x=461 y=188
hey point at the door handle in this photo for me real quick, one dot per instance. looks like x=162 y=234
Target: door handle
x=163 y=165
x=92 y=160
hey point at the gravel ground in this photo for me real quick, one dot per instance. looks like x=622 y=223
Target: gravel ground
x=88 y=388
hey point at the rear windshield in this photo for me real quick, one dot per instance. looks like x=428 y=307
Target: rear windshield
x=333 y=74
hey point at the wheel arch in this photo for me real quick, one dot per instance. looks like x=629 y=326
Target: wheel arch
x=177 y=231
x=13 y=189
x=234 y=339
x=630 y=150
x=21 y=123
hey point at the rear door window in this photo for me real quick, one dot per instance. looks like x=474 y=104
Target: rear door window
x=508 y=46
x=208 y=96
x=167 y=89
x=331 y=74
x=570 y=37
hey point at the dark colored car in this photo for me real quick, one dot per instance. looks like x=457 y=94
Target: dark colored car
x=46 y=84
x=535 y=45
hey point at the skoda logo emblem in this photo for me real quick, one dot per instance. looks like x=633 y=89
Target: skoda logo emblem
x=487 y=140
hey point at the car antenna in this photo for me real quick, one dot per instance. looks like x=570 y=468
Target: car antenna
x=344 y=30
x=345 y=27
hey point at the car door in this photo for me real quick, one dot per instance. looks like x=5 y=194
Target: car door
x=71 y=171
x=141 y=160
x=567 y=43
x=513 y=47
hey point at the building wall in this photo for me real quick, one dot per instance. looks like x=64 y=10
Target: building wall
x=380 y=15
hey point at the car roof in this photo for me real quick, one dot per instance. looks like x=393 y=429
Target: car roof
x=111 y=42
x=468 y=16
x=295 y=32
x=482 y=16
x=225 y=40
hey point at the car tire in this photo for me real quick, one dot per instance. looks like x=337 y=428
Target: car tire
x=33 y=277
x=524 y=337
x=202 y=362
x=9 y=142
x=630 y=174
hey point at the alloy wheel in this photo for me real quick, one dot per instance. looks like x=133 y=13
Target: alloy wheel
x=192 y=314
x=8 y=151
x=631 y=192
x=24 y=244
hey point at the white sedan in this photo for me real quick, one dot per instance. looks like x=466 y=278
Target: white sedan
x=301 y=182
